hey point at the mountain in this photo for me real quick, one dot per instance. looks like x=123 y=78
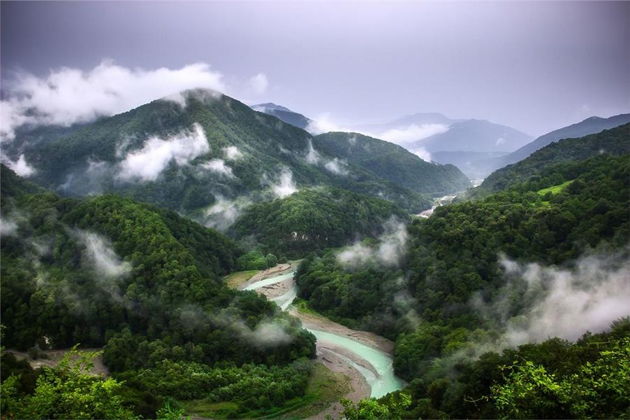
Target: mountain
x=284 y=114
x=590 y=125
x=475 y=136
x=468 y=144
x=614 y=142
x=207 y=157
x=392 y=162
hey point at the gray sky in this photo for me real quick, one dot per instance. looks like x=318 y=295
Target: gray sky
x=534 y=65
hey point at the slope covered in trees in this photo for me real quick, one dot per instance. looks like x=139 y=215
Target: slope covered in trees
x=194 y=153
x=145 y=284
x=615 y=141
x=468 y=282
x=393 y=163
x=312 y=220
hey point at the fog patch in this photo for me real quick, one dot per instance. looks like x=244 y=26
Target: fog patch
x=100 y=255
x=389 y=250
x=156 y=154
x=323 y=123
x=284 y=186
x=312 y=156
x=223 y=213
x=336 y=166
x=218 y=166
x=232 y=153
x=19 y=166
x=8 y=226
x=569 y=302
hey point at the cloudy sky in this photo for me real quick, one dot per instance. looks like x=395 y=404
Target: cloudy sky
x=533 y=65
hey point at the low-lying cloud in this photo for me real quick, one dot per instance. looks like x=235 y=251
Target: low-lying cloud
x=389 y=250
x=569 y=302
x=284 y=186
x=156 y=154
x=218 y=166
x=224 y=212
x=19 y=166
x=232 y=153
x=100 y=255
x=68 y=95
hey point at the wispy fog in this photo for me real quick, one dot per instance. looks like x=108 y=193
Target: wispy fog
x=389 y=249
x=147 y=163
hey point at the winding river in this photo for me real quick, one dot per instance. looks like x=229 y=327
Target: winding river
x=376 y=365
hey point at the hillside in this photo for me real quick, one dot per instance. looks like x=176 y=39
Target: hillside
x=590 y=125
x=314 y=219
x=481 y=276
x=615 y=141
x=143 y=283
x=204 y=155
x=392 y=162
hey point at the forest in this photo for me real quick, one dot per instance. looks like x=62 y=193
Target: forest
x=146 y=286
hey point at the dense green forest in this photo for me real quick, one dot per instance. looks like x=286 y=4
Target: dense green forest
x=612 y=142
x=312 y=220
x=143 y=283
x=209 y=149
x=392 y=162
x=429 y=304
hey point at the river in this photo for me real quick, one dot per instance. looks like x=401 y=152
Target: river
x=374 y=364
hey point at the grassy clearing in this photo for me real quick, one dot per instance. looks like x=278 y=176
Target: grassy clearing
x=302 y=306
x=324 y=388
x=236 y=279
x=555 y=189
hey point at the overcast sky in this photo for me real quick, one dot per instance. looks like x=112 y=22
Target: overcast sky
x=535 y=66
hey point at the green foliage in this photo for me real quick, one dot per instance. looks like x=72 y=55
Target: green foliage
x=66 y=391
x=613 y=142
x=393 y=163
x=390 y=407
x=249 y=386
x=597 y=389
x=312 y=220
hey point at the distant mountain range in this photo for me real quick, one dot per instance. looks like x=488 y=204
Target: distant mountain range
x=208 y=158
x=284 y=114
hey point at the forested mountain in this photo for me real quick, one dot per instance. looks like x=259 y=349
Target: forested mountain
x=314 y=219
x=392 y=162
x=146 y=285
x=284 y=114
x=200 y=153
x=614 y=142
x=590 y=125
x=480 y=276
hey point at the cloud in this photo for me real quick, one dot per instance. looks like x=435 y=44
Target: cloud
x=312 y=156
x=569 y=302
x=389 y=250
x=68 y=95
x=100 y=255
x=323 y=123
x=336 y=166
x=412 y=133
x=259 y=83
x=20 y=166
x=156 y=154
x=285 y=185
x=8 y=227
x=218 y=166
x=223 y=213
x=232 y=153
